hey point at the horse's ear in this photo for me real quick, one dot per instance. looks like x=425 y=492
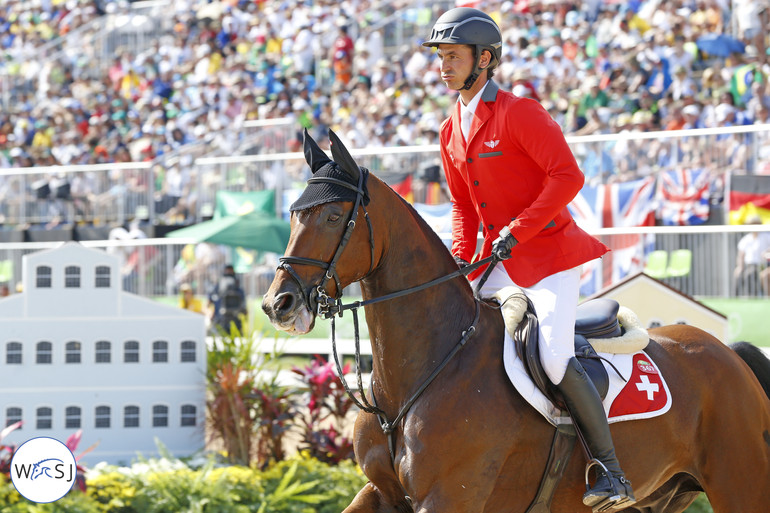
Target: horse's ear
x=316 y=158
x=343 y=158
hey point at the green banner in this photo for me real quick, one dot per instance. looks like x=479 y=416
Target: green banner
x=233 y=203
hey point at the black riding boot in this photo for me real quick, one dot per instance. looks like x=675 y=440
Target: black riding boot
x=585 y=406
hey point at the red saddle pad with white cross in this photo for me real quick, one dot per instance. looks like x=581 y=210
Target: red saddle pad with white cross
x=641 y=393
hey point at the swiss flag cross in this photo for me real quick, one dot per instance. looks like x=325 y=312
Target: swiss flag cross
x=644 y=392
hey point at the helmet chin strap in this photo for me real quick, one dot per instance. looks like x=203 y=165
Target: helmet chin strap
x=475 y=73
x=471 y=79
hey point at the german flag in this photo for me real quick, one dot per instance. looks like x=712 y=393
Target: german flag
x=749 y=197
x=399 y=182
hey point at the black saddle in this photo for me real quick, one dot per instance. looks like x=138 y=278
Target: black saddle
x=597 y=318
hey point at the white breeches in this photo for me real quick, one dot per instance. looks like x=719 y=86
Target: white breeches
x=555 y=298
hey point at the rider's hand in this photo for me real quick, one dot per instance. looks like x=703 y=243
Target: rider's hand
x=502 y=246
x=460 y=262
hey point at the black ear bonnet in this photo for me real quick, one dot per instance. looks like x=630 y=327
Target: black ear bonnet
x=331 y=182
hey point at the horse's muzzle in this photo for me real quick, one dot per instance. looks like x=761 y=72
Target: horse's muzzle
x=285 y=307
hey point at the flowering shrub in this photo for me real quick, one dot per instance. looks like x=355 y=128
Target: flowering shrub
x=327 y=408
x=6 y=451
x=248 y=411
x=276 y=410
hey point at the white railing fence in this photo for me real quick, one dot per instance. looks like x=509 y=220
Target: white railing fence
x=117 y=193
x=157 y=267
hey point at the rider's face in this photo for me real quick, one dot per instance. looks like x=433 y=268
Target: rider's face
x=456 y=64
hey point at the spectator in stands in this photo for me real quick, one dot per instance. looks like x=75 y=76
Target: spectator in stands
x=691 y=114
x=227 y=303
x=764 y=274
x=180 y=85
x=187 y=299
x=593 y=98
x=752 y=18
x=751 y=259
x=761 y=114
x=342 y=55
x=676 y=119
x=682 y=84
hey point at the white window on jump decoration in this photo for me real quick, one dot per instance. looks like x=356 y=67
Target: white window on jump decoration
x=188 y=351
x=12 y=415
x=103 y=352
x=131 y=351
x=102 y=277
x=160 y=416
x=44 y=353
x=13 y=353
x=72 y=277
x=72 y=417
x=44 y=418
x=160 y=351
x=131 y=416
x=44 y=275
x=102 y=417
x=72 y=352
x=189 y=415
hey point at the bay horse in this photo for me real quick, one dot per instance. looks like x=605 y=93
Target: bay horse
x=467 y=442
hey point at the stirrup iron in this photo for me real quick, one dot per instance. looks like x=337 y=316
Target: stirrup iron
x=617 y=498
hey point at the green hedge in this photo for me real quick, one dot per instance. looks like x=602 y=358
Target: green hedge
x=299 y=485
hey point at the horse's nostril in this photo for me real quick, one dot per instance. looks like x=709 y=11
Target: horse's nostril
x=284 y=303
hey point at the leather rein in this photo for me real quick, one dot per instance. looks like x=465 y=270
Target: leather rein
x=318 y=299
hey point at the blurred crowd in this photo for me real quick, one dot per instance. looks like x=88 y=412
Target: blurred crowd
x=598 y=67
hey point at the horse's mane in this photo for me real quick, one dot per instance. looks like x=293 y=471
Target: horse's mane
x=429 y=232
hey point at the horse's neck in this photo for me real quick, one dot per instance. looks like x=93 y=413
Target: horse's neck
x=412 y=334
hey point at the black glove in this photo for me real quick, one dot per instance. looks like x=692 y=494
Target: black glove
x=460 y=262
x=503 y=245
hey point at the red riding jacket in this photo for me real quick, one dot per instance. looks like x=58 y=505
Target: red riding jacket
x=515 y=170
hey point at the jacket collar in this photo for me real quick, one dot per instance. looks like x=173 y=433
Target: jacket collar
x=483 y=111
x=490 y=93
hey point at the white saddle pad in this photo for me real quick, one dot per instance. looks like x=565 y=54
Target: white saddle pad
x=640 y=393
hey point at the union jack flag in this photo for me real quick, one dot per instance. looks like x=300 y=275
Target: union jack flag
x=683 y=196
x=622 y=204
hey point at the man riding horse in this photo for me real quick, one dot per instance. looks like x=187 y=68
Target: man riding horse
x=509 y=168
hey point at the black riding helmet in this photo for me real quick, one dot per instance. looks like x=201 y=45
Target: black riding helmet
x=467 y=26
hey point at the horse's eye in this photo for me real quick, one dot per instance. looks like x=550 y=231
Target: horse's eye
x=334 y=218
